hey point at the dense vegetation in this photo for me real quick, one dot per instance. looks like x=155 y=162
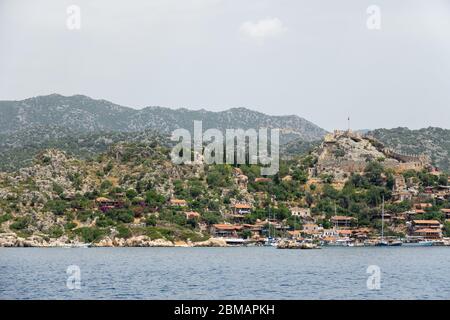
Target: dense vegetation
x=141 y=180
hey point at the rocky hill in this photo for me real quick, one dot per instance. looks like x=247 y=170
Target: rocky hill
x=344 y=153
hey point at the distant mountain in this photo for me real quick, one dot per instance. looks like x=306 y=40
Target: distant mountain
x=434 y=142
x=81 y=113
x=75 y=113
x=84 y=127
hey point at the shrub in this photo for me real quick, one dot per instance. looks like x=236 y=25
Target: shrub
x=131 y=193
x=58 y=207
x=90 y=234
x=70 y=225
x=150 y=221
x=153 y=199
x=123 y=232
x=20 y=223
x=106 y=185
x=83 y=216
x=58 y=189
x=55 y=232
x=5 y=217
x=121 y=215
x=103 y=222
x=447 y=229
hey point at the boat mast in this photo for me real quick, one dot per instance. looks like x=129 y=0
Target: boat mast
x=382 y=221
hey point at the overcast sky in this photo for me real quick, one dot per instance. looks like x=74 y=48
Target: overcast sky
x=317 y=59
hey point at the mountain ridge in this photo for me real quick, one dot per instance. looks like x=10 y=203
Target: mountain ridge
x=82 y=113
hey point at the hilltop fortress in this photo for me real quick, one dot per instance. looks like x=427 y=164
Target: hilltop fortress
x=345 y=152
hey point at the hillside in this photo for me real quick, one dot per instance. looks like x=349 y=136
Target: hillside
x=19 y=148
x=434 y=142
x=134 y=195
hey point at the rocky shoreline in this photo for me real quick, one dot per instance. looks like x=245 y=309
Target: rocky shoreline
x=11 y=240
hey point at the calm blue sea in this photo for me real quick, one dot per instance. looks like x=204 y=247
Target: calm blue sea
x=224 y=273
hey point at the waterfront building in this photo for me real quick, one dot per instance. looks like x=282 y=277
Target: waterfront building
x=342 y=221
x=225 y=230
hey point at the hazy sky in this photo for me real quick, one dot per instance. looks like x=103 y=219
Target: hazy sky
x=316 y=58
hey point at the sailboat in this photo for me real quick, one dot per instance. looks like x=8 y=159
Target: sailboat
x=382 y=242
x=270 y=241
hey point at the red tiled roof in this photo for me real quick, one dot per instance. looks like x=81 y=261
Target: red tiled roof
x=177 y=201
x=242 y=206
x=192 y=214
x=229 y=227
x=426 y=222
x=345 y=231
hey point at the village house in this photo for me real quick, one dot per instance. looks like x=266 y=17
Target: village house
x=344 y=233
x=105 y=204
x=178 y=203
x=256 y=230
x=387 y=216
x=443 y=192
x=327 y=233
x=428 y=229
x=423 y=206
x=312 y=229
x=361 y=233
x=294 y=235
x=417 y=211
x=300 y=212
x=429 y=190
x=263 y=180
x=428 y=233
x=434 y=224
x=342 y=221
x=225 y=230
x=192 y=215
x=242 y=208
x=446 y=212
x=400 y=196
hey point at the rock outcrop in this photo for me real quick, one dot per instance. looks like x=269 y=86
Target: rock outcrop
x=213 y=242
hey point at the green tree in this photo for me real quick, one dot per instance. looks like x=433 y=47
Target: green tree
x=154 y=199
x=58 y=207
x=374 y=171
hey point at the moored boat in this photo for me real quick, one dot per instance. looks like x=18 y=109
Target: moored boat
x=423 y=243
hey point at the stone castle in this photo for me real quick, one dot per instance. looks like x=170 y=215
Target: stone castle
x=345 y=152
